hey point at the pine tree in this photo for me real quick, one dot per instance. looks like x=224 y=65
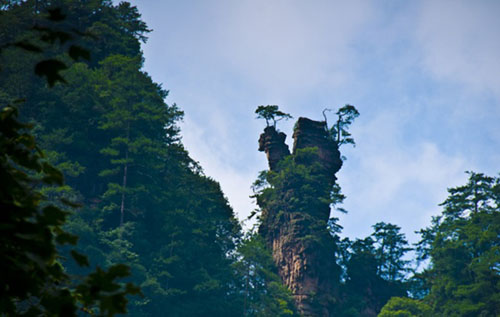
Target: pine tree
x=463 y=247
x=33 y=279
x=140 y=126
x=111 y=109
x=391 y=247
x=263 y=292
x=374 y=270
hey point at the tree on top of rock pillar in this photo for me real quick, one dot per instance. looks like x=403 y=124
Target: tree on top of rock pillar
x=295 y=197
x=345 y=117
x=271 y=141
x=271 y=113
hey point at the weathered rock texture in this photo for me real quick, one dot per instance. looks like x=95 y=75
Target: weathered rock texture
x=310 y=133
x=273 y=143
x=294 y=224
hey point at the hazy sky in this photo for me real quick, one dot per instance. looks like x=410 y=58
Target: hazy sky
x=425 y=76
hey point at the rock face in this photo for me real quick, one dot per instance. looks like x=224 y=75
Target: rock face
x=302 y=248
x=310 y=133
x=273 y=143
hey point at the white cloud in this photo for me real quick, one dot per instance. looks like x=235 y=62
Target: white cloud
x=393 y=180
x=284 y=46
x=399 y=63
x=459 y=41
x=222 y=60
x=212 y=149
x=277 y=49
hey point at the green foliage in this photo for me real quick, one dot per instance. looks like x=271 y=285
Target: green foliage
x=299 y=186
x=464 y=251
x=263 y=292
x=178 y=234
x=28 y=231
x=391 y=248
x=46 y=32
x=33 y=280
x=147 y=204
x=134 y=113
x=405 y=307
x=271 y=113
x=374 y=270
x=295 y=199
x=303 y=174
x=340 y=130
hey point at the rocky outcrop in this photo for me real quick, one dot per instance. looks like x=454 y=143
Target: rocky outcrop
x=310 y=133
x=273 y=143
x=296 y=231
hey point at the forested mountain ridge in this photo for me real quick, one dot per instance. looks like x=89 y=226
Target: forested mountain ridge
x=145 y=203
x=108 y=129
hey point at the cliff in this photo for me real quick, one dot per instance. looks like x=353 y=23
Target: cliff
x=273 y=144
x=295 y=212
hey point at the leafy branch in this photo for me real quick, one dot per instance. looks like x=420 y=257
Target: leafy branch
x=345 y=117
x=271 y=113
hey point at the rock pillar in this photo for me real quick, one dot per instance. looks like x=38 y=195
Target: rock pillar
x=294 y=224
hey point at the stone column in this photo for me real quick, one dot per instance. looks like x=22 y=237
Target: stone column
x=302 y=248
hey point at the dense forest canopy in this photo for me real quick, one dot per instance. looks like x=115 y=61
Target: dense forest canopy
x=91 y=151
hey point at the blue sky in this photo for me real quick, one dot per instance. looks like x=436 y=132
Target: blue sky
x=425 y=76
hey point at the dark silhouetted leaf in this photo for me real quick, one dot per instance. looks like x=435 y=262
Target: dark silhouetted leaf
x=52 y=215
x=119 y=270
x=56 y=15
x=71 y=204
x=52 y=175
x=75 y=52
x=51 y=36
x=66 y=238
x=50 y=69
x=81 y=259
x=28 y=46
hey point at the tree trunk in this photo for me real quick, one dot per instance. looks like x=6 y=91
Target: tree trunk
x=124 y=183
